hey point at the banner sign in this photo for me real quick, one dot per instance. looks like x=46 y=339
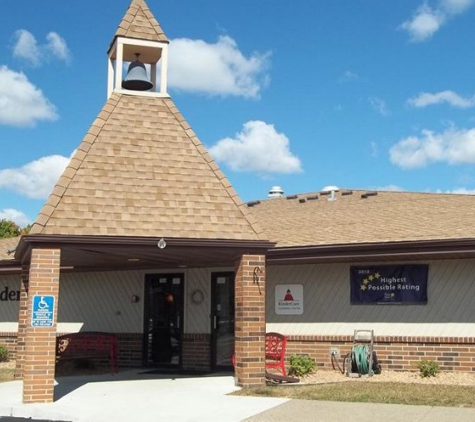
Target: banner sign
x=389 y=284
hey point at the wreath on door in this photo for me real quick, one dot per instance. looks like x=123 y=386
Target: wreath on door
x=197 y=296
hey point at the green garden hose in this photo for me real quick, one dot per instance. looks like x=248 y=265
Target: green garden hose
x=359 y=356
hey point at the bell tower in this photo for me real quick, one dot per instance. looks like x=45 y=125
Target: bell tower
x=139 y=41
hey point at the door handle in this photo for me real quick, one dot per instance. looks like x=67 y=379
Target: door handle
x=214 y=322
x=177 y=322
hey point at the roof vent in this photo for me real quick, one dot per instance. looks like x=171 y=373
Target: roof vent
x=302 y=200
x=311 y=198
x=291 y=197
x=331 y=191
x=251 y=204
x=276 y=192
x=347 y=192
x=368 y=194
x=330 y=188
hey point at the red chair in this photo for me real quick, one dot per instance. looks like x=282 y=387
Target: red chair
x=275 y=352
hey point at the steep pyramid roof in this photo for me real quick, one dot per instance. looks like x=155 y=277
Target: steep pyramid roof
x=141 y=171
x=140 y=23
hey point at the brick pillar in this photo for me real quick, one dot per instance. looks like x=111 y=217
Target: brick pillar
x=250 y=321
x=22 y=321
x=40 y=340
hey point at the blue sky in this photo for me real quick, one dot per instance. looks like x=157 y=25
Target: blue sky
x=362 y=94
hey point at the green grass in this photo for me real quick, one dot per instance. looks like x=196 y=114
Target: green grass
x=368 y=392
x=6 y=374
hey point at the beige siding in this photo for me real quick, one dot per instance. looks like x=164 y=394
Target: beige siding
x=327 y=309
x=102 y=301
x=9 y=308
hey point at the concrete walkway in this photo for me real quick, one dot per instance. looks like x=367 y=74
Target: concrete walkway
x=134 y=396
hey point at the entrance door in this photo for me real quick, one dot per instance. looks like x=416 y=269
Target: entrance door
x=222 y=320
x=163 y=320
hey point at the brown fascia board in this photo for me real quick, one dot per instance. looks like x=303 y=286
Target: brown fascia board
x=10 y=266
x=29 y=241
x=365 y=251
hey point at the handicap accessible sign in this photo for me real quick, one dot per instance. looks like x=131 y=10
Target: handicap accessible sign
x=43 y=311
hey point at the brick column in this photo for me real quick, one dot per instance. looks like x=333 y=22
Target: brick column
x=40 y=341
x=250 y=321
x=22 y=321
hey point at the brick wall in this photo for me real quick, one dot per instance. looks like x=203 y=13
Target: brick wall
x=130 y=350
x=9 y=341
x=196 y=351
x=250 y=322
x=40 y=341
x=394 y=353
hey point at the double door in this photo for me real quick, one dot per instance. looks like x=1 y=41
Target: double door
x=164 y=320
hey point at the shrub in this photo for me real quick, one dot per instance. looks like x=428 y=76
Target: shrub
x=3 y=354
x=301 y=365
x=428 y=368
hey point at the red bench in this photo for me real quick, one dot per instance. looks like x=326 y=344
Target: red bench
x=88 y=345
x=275 y=352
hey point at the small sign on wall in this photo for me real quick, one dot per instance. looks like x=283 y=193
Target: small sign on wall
x=43 y=311
x=289 y=299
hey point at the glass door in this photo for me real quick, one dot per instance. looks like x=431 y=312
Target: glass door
x=163 y=320
x=222 y=320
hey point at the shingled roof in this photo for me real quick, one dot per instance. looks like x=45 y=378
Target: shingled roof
x=356 y=217
x=7 y=247
x=142 y=171
x=140 y=23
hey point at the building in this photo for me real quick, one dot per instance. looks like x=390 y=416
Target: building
x=144 y=236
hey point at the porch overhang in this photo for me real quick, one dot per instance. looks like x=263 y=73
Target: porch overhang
x=98 y=253
x=369 y=252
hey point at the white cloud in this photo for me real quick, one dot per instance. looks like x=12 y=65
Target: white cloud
x=425 y=99
x=35 y=179
x=454 y=7
x=379 y=105
x=56 y=45
x=260 y=148
x=21 y=103
x=426 y=21
x=453 y=146
x=216 y=69
x=390 y=188
x=459 y=191
x=27 y=48
x=18 y=217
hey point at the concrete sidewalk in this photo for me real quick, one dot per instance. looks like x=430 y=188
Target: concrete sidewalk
x=135 y=396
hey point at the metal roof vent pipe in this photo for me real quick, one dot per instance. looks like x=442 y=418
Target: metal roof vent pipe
x=331 y=190
x=276 y=192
